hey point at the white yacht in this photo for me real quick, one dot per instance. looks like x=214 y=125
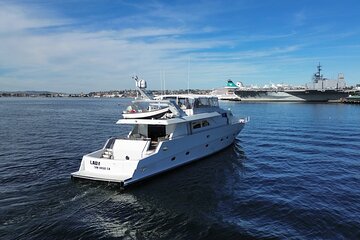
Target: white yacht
x=193 y=127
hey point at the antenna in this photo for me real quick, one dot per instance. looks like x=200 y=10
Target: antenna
x=188 y=75
x=135 y=77
x=164 y=83
x=161 y=82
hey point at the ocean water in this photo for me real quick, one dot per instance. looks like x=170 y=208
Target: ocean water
x=292 y=173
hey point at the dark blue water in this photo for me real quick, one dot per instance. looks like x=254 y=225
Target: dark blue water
x=293 y=172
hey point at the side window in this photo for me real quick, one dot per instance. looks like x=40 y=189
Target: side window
x=214 y=102
x=200 y=124
x=196 y=125
x=205 y=123
x=204 y=102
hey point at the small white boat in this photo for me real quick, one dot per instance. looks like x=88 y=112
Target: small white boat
x=194 y=128
x=145 y=109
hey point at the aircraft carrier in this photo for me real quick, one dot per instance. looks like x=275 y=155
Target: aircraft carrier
x=319 y=90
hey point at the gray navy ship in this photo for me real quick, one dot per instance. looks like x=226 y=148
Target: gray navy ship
x=320 y=90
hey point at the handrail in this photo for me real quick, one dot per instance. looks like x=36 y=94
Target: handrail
x=110 y=143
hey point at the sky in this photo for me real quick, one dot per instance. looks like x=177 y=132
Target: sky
x=90 y=45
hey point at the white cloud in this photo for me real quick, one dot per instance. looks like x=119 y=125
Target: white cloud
x=38 y=52
x=15 y=18
x=87 y=58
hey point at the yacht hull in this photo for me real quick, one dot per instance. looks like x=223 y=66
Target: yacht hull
x=168 y=155
x=185 y=150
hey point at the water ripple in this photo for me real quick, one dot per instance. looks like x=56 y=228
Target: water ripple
x=293 y=173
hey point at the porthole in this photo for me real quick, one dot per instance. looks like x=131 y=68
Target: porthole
x=173 y=158
x=187 y=153
x=221 y=139
x=207 y=136
x=206 y=145
x=127 y=158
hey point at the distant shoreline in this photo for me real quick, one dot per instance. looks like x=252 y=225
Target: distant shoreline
x=100 y=94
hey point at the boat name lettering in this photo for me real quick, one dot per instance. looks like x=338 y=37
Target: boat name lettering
x=92 y=162
x=102 y=168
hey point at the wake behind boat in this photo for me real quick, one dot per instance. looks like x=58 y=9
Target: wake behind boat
x=194 y=127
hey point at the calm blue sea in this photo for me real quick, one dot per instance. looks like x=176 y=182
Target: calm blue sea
x=292 y=173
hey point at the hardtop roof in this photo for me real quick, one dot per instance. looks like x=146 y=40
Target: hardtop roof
x=192 y=96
